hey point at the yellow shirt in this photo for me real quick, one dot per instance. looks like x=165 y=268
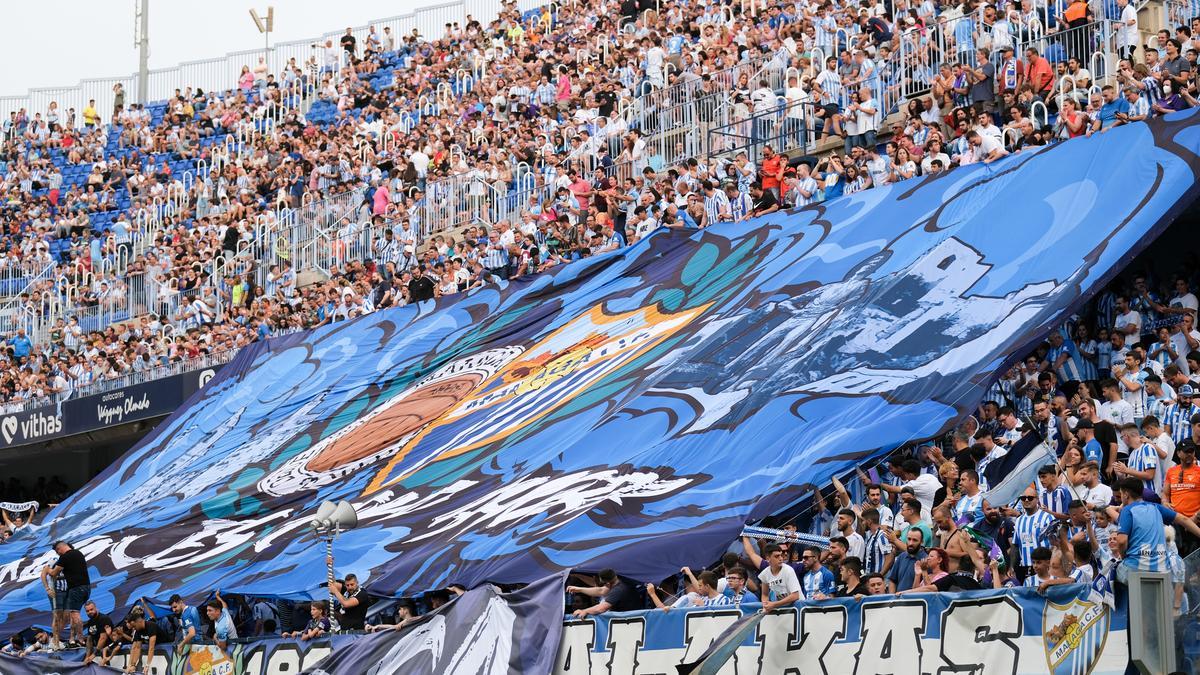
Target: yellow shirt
x=90 y=116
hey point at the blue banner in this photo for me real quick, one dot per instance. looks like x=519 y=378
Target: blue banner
x=36 y=665
x=481 y=631
x=1066 y=631
x=633 y=410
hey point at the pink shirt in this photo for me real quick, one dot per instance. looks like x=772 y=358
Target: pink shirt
x=381 y=201
x=564 y=88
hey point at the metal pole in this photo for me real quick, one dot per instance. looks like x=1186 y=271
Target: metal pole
x=143 y=45
x=329 y=565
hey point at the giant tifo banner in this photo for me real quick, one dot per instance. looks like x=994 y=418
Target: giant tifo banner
x=1065 y=632
x=633 y=410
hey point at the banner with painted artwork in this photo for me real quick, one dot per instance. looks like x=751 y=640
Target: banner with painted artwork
x=633 y=410
x=481 y=632
x=1065 y=632
x=35 y=665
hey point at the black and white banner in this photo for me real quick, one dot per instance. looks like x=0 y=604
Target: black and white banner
x=482 y=632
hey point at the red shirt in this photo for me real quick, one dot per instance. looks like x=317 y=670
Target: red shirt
x=770 y=171
x=1041 y=75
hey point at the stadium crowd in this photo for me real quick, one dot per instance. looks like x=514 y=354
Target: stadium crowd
x=546 y=130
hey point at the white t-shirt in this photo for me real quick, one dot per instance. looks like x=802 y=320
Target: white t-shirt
x=1187 y=301
x=1118 y=412
x=867 y=121
x=1128 y=318
x=924 y=488
x=858 y=546
x=1128 y=32
x=987 y=145
x=1101 y=495
x=795 y=96
x=781 y=585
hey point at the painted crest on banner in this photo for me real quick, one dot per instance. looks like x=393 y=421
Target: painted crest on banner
x=1074 y=635
x=207 y=662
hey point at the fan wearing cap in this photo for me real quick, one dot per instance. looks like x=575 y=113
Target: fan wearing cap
x=1178 y=416
x=1181 y=491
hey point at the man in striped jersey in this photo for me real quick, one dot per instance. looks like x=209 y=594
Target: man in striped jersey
x=827 y=86
x=1054 y=498
x=716 y=205
x=740 y=204
x=801 y=188
x=1177 y=418
x=495 y=258
x=1064 y=357
x=878 y=556
x=1132 y=379
x=1030 y=527
x=1143 y=458
x=970 y=503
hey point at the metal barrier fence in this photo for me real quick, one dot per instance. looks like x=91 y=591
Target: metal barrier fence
x=786 y=128
x=1180 y=13
x=1093 y=45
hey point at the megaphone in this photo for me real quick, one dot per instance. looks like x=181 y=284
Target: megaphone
x=344 y=516
x=324 y=513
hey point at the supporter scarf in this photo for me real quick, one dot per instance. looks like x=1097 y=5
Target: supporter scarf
x=19 y=507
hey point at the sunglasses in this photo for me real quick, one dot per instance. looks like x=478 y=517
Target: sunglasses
x=1028 y=499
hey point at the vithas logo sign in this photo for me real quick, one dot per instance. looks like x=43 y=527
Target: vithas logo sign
x=31 y=428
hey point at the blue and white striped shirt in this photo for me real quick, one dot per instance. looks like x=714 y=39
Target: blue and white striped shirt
x=496 y=257
x=877 y=548
x=741 y=205
x=969 y=509
x=1028 y=534
x=1033 y=580
x=1142 y=459
x=1178 y=418
x=715 y=205
x=1055 y=500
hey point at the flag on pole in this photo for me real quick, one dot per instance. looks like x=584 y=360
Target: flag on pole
x=1009 y=475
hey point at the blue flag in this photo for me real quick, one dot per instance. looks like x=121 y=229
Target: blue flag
x=1008 y=476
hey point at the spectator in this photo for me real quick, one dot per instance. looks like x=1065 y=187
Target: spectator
x=1140 y=536
x=1039 y=575
x=143 y=635
x=903 y=571
x=614 y=595
x=72 y=566
x=98 y=632
x=1030 y=529
x=318 y=624
x=352 y=604
x=778 y=582
x=189 y=622
x=223 y=628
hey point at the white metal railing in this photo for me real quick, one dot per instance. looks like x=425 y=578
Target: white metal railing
x=121 y=381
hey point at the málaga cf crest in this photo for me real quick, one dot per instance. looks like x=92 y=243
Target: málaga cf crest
x=1074 y=635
